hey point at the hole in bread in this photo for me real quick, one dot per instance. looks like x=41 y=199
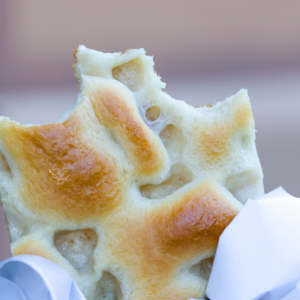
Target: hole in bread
x=179 y=177
x=77 y=247
x=246 y=142
x=154 y=117
x=152 y=113
x=108 y=288
x=172 y=139
x=131 y=74
x=4 y=167
x=244 y=186
x=203 y=268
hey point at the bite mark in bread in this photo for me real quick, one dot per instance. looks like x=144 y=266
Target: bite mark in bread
x=130 y=190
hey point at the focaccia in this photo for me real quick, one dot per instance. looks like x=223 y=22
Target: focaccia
x=130 y=190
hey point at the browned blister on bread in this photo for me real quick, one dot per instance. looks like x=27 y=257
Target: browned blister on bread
x=130 y=190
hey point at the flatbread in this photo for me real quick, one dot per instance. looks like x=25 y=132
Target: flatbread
x=130 y=190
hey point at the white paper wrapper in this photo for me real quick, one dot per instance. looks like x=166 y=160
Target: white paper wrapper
x=29 y=277
x=258 y=257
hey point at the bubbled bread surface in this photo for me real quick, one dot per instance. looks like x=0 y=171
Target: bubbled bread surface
x=130 y=189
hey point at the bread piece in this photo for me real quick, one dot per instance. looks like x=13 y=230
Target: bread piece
x=130 y=190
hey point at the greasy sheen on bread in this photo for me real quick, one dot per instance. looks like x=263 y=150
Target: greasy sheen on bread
x=130 y=190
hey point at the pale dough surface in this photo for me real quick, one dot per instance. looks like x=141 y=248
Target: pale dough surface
x=130 y=189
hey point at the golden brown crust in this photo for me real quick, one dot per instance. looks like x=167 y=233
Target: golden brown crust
x=171 y=234
x=130 y=183
x=31 y=249
x=216 y=139
x=116 y=112
x=61 y=174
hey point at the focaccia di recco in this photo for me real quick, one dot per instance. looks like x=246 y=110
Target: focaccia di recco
x=130 y=189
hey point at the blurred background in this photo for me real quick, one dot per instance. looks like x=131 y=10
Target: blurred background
x=203 y=50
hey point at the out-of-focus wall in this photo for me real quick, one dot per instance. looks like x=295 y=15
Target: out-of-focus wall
x=204 y=50
x=38 y=38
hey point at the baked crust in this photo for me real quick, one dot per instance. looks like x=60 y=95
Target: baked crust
x=130 y=183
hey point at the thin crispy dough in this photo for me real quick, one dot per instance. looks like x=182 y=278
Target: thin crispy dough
x=88 y=173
